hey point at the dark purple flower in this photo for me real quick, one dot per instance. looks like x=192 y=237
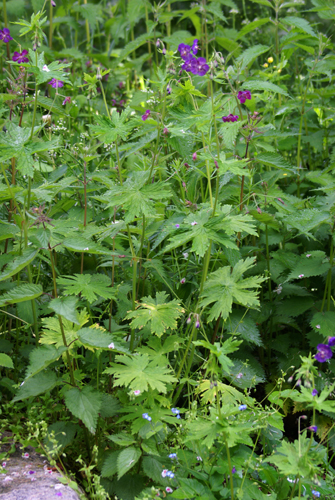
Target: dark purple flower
x=56 y=84
x=199 y=66
x=312 y=428
x=314 y=392
x=168 y=90
x=184 y=51
x=67 y=99
x=331 y=341
x=20 y=57
x=5 y=35
x=197 y=324
x=195 y=46
x=146 y=115
x=187 y=66
x=233 y=470
x=53 y=3
x=243 y=95
x=324 y=353
x=230 y=118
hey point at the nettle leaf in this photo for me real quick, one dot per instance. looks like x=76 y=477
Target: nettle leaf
x=20 y=294
x=41 y=357
x=275 y=160
x=65 y=306
x=127 y=459
x=84 y=404
x=99 y=339
x=6 y=361
x=324 y=323
x=109 y=129
x=91 y=286
x=315 y=264
x=240 y=323
x=18 y=263
x=249 y=55
x=40 y=383
x=305 y=220
x=229 y=132
x=140 y=372
x=160 y=314
x=224 y=287
x=251 y=27
x=300 y=24
x=257 y=85
x=64 y=434
x=137 y=197
x=80 y=244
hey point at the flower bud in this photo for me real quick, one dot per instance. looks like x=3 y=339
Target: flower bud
x=194 y=156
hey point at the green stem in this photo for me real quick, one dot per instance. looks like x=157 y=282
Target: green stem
x=50 y=25
x=132 y=336
x=158 y=136
x=230 y=472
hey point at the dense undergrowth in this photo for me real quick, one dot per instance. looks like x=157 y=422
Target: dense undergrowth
x=167 y=245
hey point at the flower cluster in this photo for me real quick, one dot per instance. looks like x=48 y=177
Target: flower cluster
x=5 y=35
x=197 y=66
x=176 y=412
x=146 y=417
x=243 y=95
x=167 y=473
x=20 y=57
x=230 y=118
x=173 y=456
x=146 y=115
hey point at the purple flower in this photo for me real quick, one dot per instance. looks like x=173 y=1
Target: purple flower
x=230 y=118
x=314 y=392
x=242 y=407
x=183 y=280
x=173 y=455
x=175 y=411
x=301 y=275
x=195 y=47
x=233 y=470
x=67 y=99
x=56 y=84
x=20 y=57
x=32 y=472
x=187 y=66
x=177 y=226
x=59 y=494
x=5 y=35
x=146 y=115
x=316 y=493
x=312 y=428
x=184 y=51
x=324 y=353
x=168 y=489
x=243 y=95
x=199 y=66
x=331 y=341
x=197 y=324
x=168 y=90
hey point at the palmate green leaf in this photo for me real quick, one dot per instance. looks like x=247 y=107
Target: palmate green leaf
x=108 y=130
x=6 y=361
x=52 y=334
x=257 y=85
x=136 y=197
x=21 y=293
x=223 y=288
x=140 y=372
x=66 y=307
x=41 y=357
x=161 y=315
x=40 y=383
x=127 y=459
x=90 y=286
x=18 y=263
x=84 y=404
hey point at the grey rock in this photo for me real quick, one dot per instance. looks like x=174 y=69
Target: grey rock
x=32 y=478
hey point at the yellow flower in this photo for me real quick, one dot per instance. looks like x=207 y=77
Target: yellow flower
x=265 y=65
x=270 y=60
x=279 y=71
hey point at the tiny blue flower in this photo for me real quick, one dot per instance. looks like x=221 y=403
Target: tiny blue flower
x=170 y=474
x=178 y=416
x=175 y=411
x=316 y=493
x=173 y=455
x=242 y=407
x=146 y=417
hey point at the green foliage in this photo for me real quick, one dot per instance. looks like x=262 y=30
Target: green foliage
x=20 y=294
x=90 y=286
x=160 y=314
x=84 y=404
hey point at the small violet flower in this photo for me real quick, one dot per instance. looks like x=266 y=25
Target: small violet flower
x=168 y=90
x=318 y=327
x=242 y=407
x=194 y=156
x=195 y=47
x=183 y=280
x=146 y=417
x=230 y=118
x=175 y=411
x=316 y=493
x=170 y=474
x=177 y=226
x=312 y=428
x=20 y=57
x=5 y=35
x=314 y=392
x=56 y=84
x=331 y=341
x=243 y=95
x=233 y=470
x=173 y=456
x=67 y=99
x=146 y=115
x=197 y=324
x=308 y=255
x=199 y=66
x=239 y=375
x=184 y=51
x=194 y=223
x=32 y=472
x=25 y=455
x=53 y=3
x=137 y=392
x=168 y=489
x=324 y=353
x=301 y=275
